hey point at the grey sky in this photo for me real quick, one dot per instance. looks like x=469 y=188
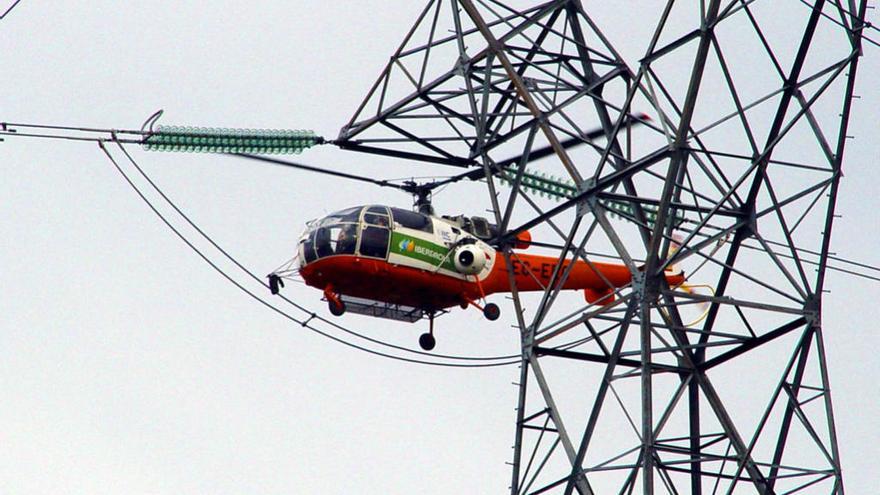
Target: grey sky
x=128 y=365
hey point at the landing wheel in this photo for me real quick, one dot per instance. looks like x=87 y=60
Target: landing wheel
x=336 y=308
x=491 y=311
x=427 y=341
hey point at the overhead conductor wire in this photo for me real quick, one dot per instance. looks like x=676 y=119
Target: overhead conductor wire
x=502 y=360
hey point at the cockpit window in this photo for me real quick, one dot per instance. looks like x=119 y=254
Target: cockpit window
x=345 y=232
x=412 y=220
x=336 y=239
x=309 y=248
x=480 y=227
x=346 y=239
x=322 y=242
x=374 y=241
x=374 y=219
x=348 y=215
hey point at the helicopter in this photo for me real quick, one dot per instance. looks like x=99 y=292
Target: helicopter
x=394 y=263
x=405 y=265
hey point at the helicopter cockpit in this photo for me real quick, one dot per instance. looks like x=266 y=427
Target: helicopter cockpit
x=361 y=230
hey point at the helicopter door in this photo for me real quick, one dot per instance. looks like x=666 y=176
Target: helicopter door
x=375 y=233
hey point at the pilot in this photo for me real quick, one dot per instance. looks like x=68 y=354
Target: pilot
x=346 y=240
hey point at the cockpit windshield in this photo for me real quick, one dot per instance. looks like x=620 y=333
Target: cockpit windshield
x=350 y=215
x=354 y=231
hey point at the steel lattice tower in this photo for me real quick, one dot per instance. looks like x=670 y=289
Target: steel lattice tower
x=719 y=387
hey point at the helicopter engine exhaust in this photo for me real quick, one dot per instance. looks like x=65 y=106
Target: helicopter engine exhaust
x=469 y=259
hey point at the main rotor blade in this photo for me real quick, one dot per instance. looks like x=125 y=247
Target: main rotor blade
x=537 y=154
x=475 y=174
x=334 y=173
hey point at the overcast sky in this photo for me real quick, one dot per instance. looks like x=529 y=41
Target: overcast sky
x=128 y=365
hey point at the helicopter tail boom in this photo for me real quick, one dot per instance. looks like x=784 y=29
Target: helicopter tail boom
x=597 y=280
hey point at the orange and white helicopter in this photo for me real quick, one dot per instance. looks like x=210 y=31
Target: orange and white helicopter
x=395 y=263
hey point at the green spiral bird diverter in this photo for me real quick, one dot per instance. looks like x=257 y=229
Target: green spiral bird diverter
x=214 y=140
x=559 y=189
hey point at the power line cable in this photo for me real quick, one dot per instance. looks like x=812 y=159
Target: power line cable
x=9 y=9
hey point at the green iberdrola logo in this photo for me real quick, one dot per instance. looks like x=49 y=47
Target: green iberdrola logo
x=422 y=250
x=407 y=245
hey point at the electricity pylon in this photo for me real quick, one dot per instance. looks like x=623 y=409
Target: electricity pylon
x=721 y=150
